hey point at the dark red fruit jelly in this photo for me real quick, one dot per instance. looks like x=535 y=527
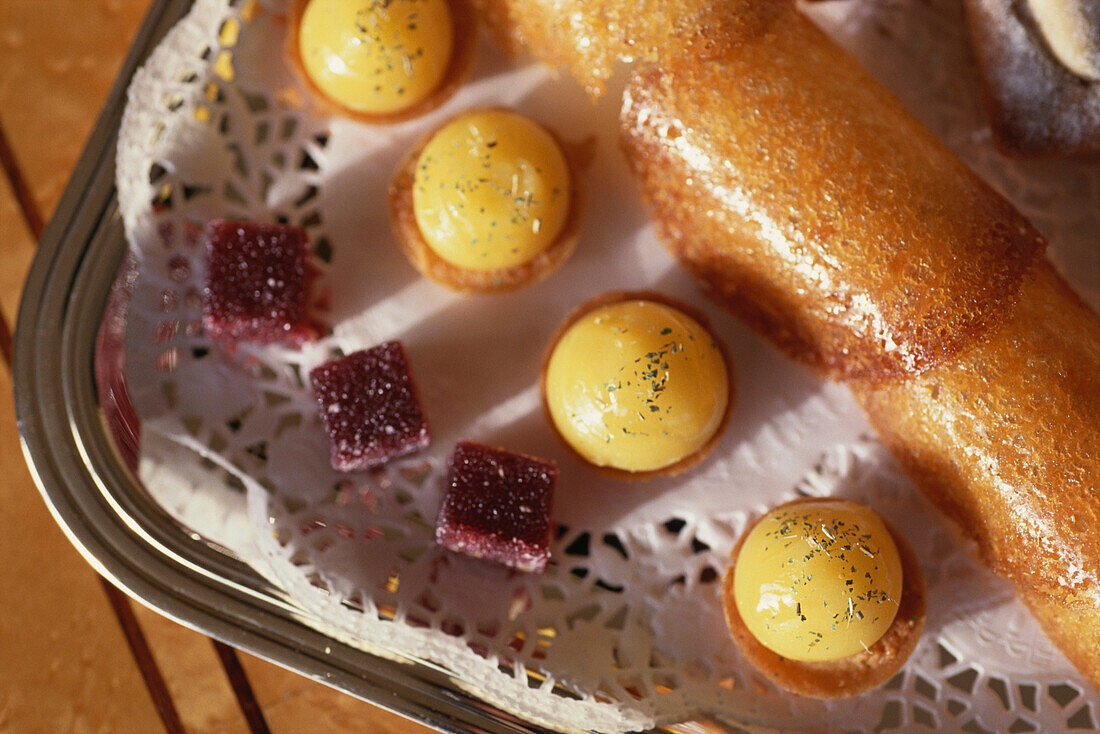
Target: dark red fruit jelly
x=369 y=407
x=497 y=506
x=257 y=283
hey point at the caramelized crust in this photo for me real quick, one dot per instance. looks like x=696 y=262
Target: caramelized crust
x=851 y=675
x=588 y=37
x=808 y=200
x=1076 y=632
x=1006 y=440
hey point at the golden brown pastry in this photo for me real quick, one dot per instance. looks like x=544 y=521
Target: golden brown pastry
x=808 y=200
x=998 y=414
x=486 y=203
x=1040 y=67
x=1075 y=630
x=589 y=37
x=1005 y=439
x=824 y=597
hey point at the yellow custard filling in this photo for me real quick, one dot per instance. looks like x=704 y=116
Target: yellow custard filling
x=376 y=56
x=491 y=190
x=637 y=386
x=818 y=581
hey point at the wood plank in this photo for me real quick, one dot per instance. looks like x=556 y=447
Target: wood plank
x=17 y=245
x=139 y=648
x=186 y=659
x=58 y=59
x=57 y=62
x=65 y=664
x=193 y=674
x=53 y=78
x=242 y=687
x=293 y=703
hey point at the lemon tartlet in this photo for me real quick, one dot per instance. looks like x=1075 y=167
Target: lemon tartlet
x=486 y=203
x=824 y=597
x=381 y=60
x=637 y=385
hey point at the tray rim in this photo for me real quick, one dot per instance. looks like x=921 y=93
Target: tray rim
x=102 y=507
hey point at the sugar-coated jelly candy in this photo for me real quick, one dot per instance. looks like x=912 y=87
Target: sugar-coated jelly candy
x=369 y=407
x=497 y=506
x=258 y=280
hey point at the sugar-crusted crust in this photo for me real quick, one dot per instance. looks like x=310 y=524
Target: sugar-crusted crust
x=993 y=405
x=1074 y=630
x=590 y=37
x=1005 y=440
x=465 y=43
x=851 y=675
x=430 y=265
x=861 y=246
x=691 y=459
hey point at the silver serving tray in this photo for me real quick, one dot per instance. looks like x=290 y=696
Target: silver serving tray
x=86 y=480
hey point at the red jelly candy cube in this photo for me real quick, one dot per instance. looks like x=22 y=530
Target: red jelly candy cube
x=257 y=283
x=497 y=506
x=369 y=407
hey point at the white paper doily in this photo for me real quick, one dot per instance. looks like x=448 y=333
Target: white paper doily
x=625 y=630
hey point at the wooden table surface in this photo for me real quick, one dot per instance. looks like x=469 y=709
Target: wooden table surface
x=77 y=655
